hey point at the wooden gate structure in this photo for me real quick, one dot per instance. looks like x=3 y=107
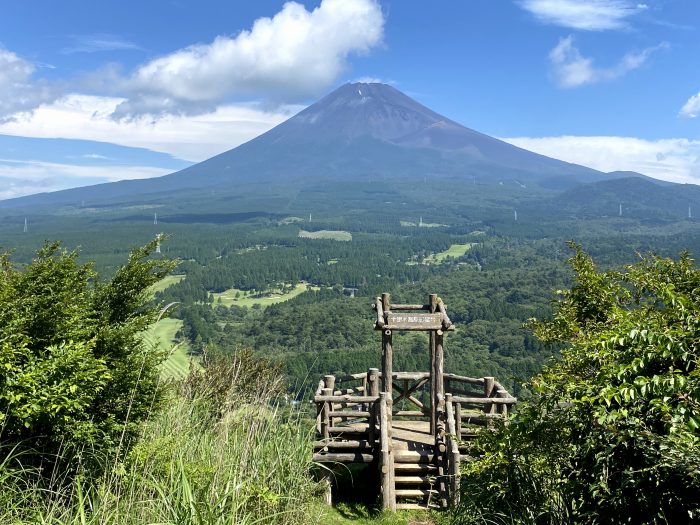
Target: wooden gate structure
x=418 y=451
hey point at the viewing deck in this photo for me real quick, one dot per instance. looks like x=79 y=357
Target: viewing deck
x=414 y=427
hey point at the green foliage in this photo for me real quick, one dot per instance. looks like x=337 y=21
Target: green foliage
x=613 y=434
x=194 y=462
x=75 y=372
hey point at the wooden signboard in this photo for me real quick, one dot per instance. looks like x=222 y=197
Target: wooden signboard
x=413 y=321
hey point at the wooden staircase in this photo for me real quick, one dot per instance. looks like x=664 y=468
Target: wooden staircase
x=408 y=425
x=417 y=479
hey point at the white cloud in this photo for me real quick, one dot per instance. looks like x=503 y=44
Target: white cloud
x=18 y=90
x=188 y=138
x=572 y=69
x=691 y=108
x=19 y=177
x=99 y=42
x=675 y=160
x=291 y=56
x=586 y=15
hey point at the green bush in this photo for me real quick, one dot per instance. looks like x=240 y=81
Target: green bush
x=76 y=374
x=193 y=462
x=613 y=433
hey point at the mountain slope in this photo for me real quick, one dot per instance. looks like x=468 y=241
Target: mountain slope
x=638 y=197
x=359 y=132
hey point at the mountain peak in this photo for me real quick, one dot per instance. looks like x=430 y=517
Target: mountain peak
x=359 y=109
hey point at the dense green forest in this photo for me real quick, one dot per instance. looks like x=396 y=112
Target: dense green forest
x=506 y=273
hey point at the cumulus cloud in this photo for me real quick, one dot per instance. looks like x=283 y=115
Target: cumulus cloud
x=586 y=15
x=691 y=108
x=674 y=160
x=571 y=69
x=18 y=90
x=291 y=56
x=185 y=137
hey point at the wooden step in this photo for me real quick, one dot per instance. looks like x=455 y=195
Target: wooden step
x=345 y=431
x=415 y=493
x=343 y=457
x=415 y=468
x=362 y=444
x=414 y=456
x=413 y=480
x=415 y=506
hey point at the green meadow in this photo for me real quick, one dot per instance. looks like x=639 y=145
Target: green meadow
x=236 y=297
x=340 y=235
x=454 y=251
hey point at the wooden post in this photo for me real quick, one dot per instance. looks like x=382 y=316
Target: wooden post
x=453 y=459
x=432 y=303
x=386 y=302
x=502 y=407
x=387 y=357
x=329 y=382
x=439 y=368
x=387 y=460
x=458 y=419
x=325 y=420
x=373 y=390
x=489 y=391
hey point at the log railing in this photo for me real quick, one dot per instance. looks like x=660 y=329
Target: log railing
x=477 y=402
x=452 y=455
x=347 y=418
x=354 y=422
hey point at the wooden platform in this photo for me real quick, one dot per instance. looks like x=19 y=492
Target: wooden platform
x=408 y=425
x=411 y=435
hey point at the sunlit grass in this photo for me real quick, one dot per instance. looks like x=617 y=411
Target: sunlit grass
x=236 y=297
x=326 y=234
x=165 y=282
x=163 y=333
x=455 y=250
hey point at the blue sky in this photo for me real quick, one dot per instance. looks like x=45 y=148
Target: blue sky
x=98 y=91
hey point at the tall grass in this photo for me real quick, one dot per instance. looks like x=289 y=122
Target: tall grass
x=219 y=452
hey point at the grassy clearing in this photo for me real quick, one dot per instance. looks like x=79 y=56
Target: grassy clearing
x=326 y=234
x=163 y=334
x=292 y=220
x=456 y=250
x=265 y=299
x=409 y=224
x=165 y=282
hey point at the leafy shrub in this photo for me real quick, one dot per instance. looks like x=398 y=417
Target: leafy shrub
x=76 y=374
x=613 y=434
x=250 y=464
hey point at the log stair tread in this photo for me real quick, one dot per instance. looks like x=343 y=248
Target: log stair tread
x=414 y=456
x=412 y=480
x=415 y=506
x=415 y=493
x=414 y=468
